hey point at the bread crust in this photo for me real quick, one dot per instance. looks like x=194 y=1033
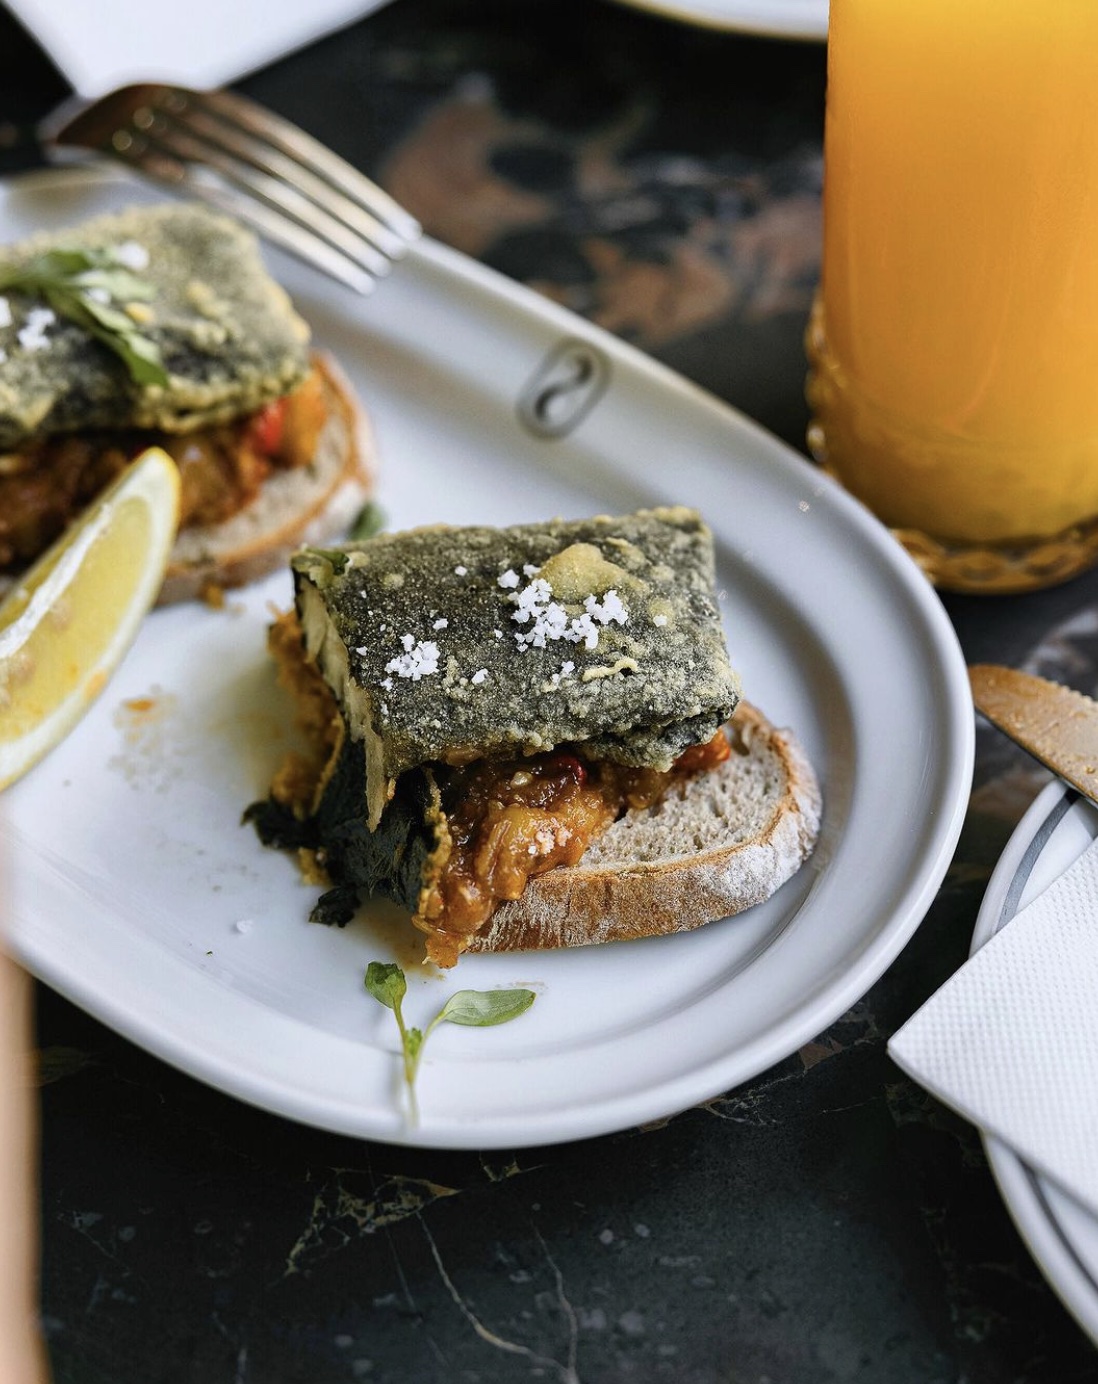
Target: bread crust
x=722 y=842
x=309 y=504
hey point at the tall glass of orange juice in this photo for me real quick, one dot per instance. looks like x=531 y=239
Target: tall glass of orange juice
x=954 y=343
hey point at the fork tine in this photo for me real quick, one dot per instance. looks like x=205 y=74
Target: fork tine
x=275 y=226
x=233 y=153
x=271 y=191
x=305 y=149
x=269 y=159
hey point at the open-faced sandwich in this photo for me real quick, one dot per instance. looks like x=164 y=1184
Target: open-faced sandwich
x=531 y=736
x=159 y=325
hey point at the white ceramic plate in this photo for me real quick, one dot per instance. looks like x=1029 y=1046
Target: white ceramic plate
x=1061 y=1234
x=204 y=43
x=130 y=871
x=774 y=18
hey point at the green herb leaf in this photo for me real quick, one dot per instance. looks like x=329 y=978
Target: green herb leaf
x=484 y=1008
x=471 y=1008
x=385 y=981
x=60 y=264
x=122 y=284
x=73 y=281
x=370 y=520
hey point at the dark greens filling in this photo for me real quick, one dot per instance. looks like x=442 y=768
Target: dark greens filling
x=390 y=861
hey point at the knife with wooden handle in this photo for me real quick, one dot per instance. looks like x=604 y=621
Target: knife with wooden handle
x=1055 y=724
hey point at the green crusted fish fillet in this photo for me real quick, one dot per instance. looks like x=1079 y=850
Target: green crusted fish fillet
x=444 y=645
x=226 y=332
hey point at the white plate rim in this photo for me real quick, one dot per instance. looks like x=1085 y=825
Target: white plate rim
x=834 y=993
x=1049 y=1236
x=797 y=19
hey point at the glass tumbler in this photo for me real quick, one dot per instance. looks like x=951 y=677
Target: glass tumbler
x=953 y=347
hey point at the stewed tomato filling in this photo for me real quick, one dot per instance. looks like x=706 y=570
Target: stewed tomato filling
x=511 y=820
x=46 y=483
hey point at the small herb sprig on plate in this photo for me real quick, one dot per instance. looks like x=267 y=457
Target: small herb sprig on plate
x=87 y=286
x=369 y=521
x=470 y=1008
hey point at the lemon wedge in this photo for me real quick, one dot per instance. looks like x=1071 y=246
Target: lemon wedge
x=68 y=622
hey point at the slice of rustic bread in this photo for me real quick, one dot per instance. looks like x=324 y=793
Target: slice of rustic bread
x=717 y=844
x=310 y=504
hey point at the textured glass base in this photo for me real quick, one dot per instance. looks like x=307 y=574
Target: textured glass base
x=1005 y=568
x=1017 y=564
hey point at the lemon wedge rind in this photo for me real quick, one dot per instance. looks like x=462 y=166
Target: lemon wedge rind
x=72 y=617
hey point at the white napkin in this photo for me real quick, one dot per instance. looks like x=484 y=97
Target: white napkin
x=202 y=43
x=1011 y=1040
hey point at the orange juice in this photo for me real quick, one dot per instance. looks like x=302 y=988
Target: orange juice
x=955 y=346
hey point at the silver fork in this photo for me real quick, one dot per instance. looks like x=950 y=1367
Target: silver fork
x=227 y=150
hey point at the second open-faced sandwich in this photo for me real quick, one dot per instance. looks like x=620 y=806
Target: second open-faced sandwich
x=160 y=326
x=523 y=736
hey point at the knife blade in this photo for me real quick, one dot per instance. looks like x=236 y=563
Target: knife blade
x=1055 y=724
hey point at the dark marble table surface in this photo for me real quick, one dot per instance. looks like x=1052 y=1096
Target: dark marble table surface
x=828 y=1222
